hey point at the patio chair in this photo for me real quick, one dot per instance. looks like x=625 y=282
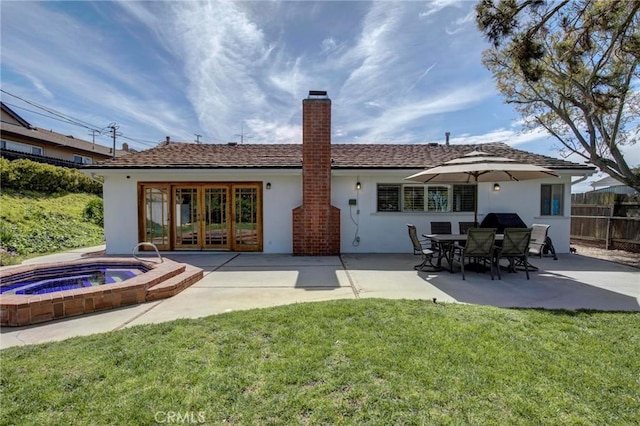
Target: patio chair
x=440 y=227
x=427 y=254
x=540 y=241
x=463 y=227
x=480 y=245
x=515 y=246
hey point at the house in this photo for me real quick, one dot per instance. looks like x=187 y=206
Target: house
x=19 y=139
x=610 y=184
x=314 y=198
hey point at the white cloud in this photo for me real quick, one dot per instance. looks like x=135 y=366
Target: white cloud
x=273 y=132
x=510 y=137
x=234 y=72
x=436 y=6
x=395 y=118
x=84 y=71
x=461 y=24
x=328 y=45
x=39 y=85
x=213 y=67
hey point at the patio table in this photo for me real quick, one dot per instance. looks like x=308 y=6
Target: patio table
x=445 y=244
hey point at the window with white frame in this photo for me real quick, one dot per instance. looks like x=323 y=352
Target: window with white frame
x=389 y=198
x=425 y=198
x=21 y=147
x=82 y=159
x=552 y=200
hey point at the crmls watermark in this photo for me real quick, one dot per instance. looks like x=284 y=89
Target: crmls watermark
x=179 y=417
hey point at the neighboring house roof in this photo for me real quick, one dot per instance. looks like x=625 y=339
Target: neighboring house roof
x=176 y=155
x=14 y=115
x=37 y=134
x=611 y=184
x=607 y=181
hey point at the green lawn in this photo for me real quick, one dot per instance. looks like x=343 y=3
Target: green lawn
x=343 y=362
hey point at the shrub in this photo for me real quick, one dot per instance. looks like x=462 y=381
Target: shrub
x=27 y=175
x=94 y=212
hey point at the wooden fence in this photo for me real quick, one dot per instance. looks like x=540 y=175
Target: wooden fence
x=606 y=220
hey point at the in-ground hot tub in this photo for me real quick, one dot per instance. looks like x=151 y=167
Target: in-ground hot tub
x=37 y=293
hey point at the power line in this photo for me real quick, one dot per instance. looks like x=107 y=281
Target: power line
x=140 y=141
x=58 y=116
x=47 y=116
x=64 y=117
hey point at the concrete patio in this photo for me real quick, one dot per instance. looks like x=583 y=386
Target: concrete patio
x=234 y=281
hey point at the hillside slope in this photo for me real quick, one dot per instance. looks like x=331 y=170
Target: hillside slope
x=33 y=224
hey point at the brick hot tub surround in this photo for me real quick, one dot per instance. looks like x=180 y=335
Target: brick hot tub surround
x=161 y=281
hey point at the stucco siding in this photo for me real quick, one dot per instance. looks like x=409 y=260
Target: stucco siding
x=278 y=204
x=120 y=214
x=121 y=204
x=387 y=232
x=377 y=232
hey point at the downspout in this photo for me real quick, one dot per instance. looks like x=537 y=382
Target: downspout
x=582 y=179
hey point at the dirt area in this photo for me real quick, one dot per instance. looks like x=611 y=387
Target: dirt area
x=618 y=256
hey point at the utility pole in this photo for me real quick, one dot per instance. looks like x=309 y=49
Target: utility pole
x=113 y=126
x=197 y=137
x=113 y=131
x=93 y=136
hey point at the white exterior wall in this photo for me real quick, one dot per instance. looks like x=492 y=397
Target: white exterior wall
x=120 y=214
x=378 y=232
x=121 y=203
x=387 y=232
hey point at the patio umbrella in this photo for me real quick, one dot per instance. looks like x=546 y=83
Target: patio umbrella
x=477 y=167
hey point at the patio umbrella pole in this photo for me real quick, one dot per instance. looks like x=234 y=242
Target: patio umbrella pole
x=475 y=208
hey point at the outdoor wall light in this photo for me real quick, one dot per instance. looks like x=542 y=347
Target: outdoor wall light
x=358 y=185
x=496 y=187
x=268 y=186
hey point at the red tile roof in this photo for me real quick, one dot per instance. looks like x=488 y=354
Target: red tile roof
x=176 y=155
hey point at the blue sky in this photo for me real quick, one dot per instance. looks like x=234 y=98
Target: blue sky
x=397 y=72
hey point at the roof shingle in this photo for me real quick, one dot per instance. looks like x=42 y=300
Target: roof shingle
x=344 y=156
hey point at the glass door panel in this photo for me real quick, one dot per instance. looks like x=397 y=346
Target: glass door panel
x=224 y=216
x=247 y=218
x=156 y=216
x=216 y=217
x=186 y=214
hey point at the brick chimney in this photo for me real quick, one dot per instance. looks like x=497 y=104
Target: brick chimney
x=316 y=223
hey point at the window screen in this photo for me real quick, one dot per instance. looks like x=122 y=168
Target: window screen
x=420 y=198
x=388 y=198
x=438 y=198
x=413 y=197
x=464 y=198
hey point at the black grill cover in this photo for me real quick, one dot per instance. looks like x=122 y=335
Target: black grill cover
x=502 y=220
